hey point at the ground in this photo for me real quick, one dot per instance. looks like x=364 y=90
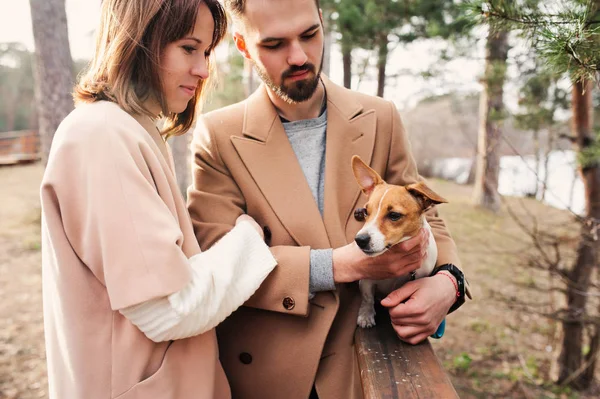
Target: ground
x=22 y=359
x=492 y=348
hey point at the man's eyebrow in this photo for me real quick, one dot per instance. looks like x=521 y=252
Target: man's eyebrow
x=273 y=39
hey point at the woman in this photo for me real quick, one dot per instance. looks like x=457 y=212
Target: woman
x=130 y=303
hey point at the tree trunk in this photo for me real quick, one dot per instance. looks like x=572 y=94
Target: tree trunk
x=491 y=109
x=347 y=62
x=576 y=370
x=53 y=69
x=472 y=171
x=33 y=116
x=538 y=161
x=181 y=158
x=382 y=56
x=10 y=113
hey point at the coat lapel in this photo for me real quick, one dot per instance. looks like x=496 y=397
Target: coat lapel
x=270 y=159
x=349 y=132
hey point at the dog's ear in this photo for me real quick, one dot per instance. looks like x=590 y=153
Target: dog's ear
x=424 y=195
x=366 y=177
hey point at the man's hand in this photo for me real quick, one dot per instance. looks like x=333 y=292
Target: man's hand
x=352 y=264
x=418 y=307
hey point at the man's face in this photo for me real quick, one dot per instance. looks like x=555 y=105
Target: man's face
x=284 y=41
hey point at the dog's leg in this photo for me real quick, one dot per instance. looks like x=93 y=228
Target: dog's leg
x=366 y=313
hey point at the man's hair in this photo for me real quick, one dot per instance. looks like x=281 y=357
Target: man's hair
x=131 y=38
x=237 y=7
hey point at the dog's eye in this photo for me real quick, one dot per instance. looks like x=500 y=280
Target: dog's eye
x=360 y=214
x=394 y=216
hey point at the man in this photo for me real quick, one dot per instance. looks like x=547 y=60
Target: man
x=283 y=156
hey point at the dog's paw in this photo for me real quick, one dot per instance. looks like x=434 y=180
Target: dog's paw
x=366 y=318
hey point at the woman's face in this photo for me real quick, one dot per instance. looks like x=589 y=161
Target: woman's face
x=184 y=62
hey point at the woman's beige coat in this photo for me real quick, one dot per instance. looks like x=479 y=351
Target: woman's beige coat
x=116 y=232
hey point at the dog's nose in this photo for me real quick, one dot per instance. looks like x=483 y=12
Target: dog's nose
x=362 y=241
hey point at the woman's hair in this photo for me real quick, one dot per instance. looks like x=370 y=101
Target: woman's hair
x=131 y=39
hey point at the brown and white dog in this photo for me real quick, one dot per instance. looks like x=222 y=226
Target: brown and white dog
x=393 y=214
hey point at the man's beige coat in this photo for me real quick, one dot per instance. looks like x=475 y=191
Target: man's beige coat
x=281 y=342
x=116 y=233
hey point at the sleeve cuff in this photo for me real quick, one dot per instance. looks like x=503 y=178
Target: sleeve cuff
x=321 y=270
x=223 y=278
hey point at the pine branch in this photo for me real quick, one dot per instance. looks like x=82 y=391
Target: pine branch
x=569 y=49
x=532 y=21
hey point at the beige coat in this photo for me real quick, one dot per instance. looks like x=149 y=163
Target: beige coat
x=281 y=342
x=116 y=233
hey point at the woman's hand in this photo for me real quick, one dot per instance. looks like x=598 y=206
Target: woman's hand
x=249 y=219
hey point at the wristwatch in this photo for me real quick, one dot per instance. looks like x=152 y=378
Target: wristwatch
x=460 y=280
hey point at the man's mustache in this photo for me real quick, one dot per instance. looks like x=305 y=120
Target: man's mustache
x=298 y=68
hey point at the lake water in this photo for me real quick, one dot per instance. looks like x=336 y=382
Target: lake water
x=518 y=178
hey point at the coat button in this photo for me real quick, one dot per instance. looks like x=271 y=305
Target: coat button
x=245 y=358
x=289 y=303
x=267 y=234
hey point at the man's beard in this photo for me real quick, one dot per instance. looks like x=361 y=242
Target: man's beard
x=295 y=92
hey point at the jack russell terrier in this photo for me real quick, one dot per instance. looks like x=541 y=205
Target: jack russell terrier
x=393 y=214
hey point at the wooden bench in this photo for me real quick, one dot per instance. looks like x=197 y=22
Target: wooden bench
x=19 y=146
x=391 y=368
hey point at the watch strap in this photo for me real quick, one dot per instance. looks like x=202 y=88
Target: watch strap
x=460 y=280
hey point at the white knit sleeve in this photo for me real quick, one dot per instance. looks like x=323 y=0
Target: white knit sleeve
x=223 y=278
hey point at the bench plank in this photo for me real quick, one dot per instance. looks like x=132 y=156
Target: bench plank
x=19 y=146
x=391 y=368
